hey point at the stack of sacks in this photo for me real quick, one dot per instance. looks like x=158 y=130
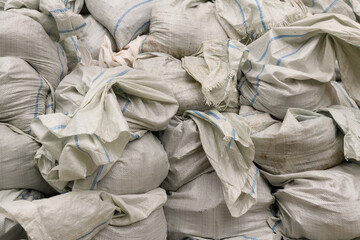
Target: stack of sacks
x=83 y=214
x=31 y=66
x=213 y=185
x=84 y=152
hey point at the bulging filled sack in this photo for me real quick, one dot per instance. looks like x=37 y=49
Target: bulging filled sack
x=125 y=20
x=23 y=93
x=18 y=169
x=303 y=141
x=92 y=36
x=186 y=89
x=198 y=209
x=178 y=27
x=318 y=205
x=35 y=47
x=151 y=228
x=283 y=70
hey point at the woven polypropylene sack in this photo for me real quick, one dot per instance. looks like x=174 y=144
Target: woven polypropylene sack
x=35 y=47
x=186 y=155
x=125 y=20
x=92 y=36
x=187 y=90
x=23 y=93
x=198 y=209
x=17 y=168
x=318 y=205
x=178 y=27
x=151 y=228
x=303 y=141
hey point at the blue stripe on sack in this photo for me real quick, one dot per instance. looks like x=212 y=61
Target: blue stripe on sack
x=93 y=229
x=251 y=114
x=354 y=45
x=78 y=147
x=252 y=133
x=49 y=106
x=343 y=93
x=290 y=54
x=126 y=104
x=134 y=135
x=119 y=75
x=249 y=68
x=246 y=237
x=37 y=97
x=73 y=30
x=142 y=44
x=60 y=10
x=96 y=177
x=331 y=5
x=254 y=98
x=258 y=77
x=106 y=153
x=234 y=47
x=241 y=84
x=254 y=182
x=214 y=115
x=74 y=42
x=243 y=16
x=313 y=3
x=62 y=66
x=125 y=13
x=204 y=117
x=252 y=35
x=261 y=15
x=65 y=2
x=96 y=78
x=275 y=225
x=234 y=138
x=142 y=26
x=57 y=127
x=276 y=38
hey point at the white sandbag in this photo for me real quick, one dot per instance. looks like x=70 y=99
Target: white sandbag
x=250 y=19
x=318 y=205
x=178 y=27
x=34 y=47
x=85 y=212
x=23 y=93
x=284 y=71
x=73 y=54
x=117 y=104
x=18 y=168
x=198 y=209
x=186 y=155
x=58 y=20
x=142 y=167
x=125 y=20
x=216 y=66
x=349 y=8
x=186 y=89
x=303 y=141
x=225 y=138
x=10 y=230
x=92 y=36
x=151 y=228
